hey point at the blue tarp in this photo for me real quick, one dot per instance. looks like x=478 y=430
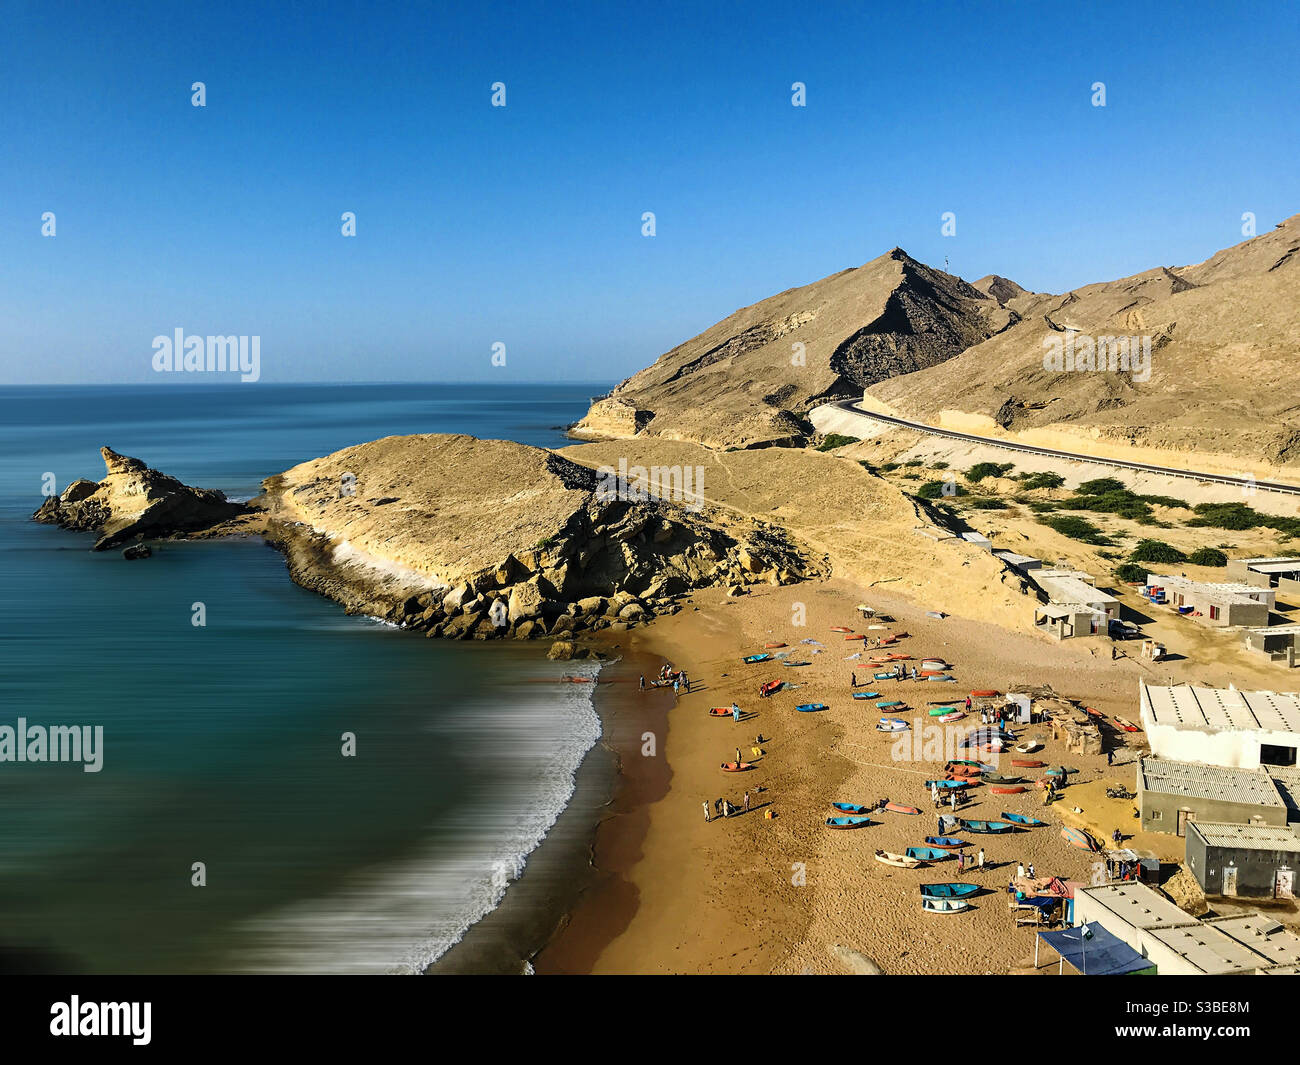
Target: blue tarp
x=1101 y=955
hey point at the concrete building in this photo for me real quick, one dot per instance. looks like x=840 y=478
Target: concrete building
x=1022 y=564
x=1220 y=726
x=1280 y=643
x=1074 y=607
x=1218 y=605
x=979 y=540
x=1177 y=942
x=1172 y=793
x=1280 y=573
x=1257 y=861
x=1287 y=781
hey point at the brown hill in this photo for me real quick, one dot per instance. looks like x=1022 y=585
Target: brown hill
x=750 y=380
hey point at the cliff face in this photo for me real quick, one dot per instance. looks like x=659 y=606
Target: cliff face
x=750 y=380
x=478 y=538
x=134 y=501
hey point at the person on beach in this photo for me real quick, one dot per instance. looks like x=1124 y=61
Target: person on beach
x=737 y=756
x=952 y=801
x=1020 y=870
x=686 y=682
x=1031 y=870
x=735 y=713
x=968 y=704
x=746 y=802
x=984 y=717
x=981 y=859
x=853 y=679
x=707 y=816
x=961 y=862
x=677 y=687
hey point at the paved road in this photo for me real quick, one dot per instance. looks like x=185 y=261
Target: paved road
x=851 y=406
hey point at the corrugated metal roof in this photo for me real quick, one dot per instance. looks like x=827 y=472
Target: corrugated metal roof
x=1226 y=594
x=1247 y=837
x=1138 y=905
x=1185 y=706
x=1250 y=787
x=1261 y=934
x=1209 y=950
x=1279 y=565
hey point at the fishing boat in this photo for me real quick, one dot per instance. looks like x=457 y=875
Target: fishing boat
x=1077 y=837
x=933 y=663
x=891 y=724
x=1027 y=747
x=855 y=636
x=839 y=628
x=946 y=843
x=941 y=711
x=765 y=657
x=810 y=708
x=1021 y=819
x=931 y=905
x=1008 y=789
x=889 y=704
x=947 y=783
x=899 y=808
x=848 y=822
x=1055 y=771
x=986 y=828
x=770 y=688
x=1092 y=713
x=942 y=678
x=898 y=657
x=1001 y=778
x=884 y=676
x=793 y=664
x=900 y=860
x=956 y=715
x=966 y=761
x=984 y=693
x=852 y=808
x=1027 y=763
x=1127 y=725
x=736 y=767
x=928 y=854
x=930 y=674
x=956 y=890
x=774 y=645
x=720 y=711
x=866 y=695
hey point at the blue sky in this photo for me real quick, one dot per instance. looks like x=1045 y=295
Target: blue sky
x=523 y=224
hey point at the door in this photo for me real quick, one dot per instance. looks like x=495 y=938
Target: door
x=1183 y=817
x=1229 y=879
x=1285 y=887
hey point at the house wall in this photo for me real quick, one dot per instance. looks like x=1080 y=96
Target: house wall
x=1253 y=614
x=1289 y=587
x=1159 y=811
x=1256 y=870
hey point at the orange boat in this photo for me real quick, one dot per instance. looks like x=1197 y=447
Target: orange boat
x=899 y=658
x=1026 y=763
x=964 y=770
x=983 y=693
x=839 y=628
x=899 y=808
x=773 y=645
x=736 y=767
x=719 y=711
x=855 y=636
x=1017 y=790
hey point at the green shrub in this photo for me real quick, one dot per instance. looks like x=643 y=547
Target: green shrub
x=988 y=469
x=1156 y=551
x=1039 y=506
x=1131 y=573
x=935 y=490
x=1207 y=556
x=1042 y=480
x=938 y=466
x=888 y=467
x=833 y=440
x=1099 y=486
x=1076 y=528
x=913 y=462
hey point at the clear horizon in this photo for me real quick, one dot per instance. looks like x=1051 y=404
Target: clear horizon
x=522 y=225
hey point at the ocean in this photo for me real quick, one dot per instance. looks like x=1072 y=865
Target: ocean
x=222 y=755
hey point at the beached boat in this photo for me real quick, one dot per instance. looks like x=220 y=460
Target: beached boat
x=1127 y=725
x=933 y=663
x=956 y=890
x=891 y=724
x=899 y=808
x=1001 y=778
x=771 y=688
x=1028 y=746
x=902 y=861
x=1008 y=789
x=848 y=822
x=810 y=708
x=774 y=645
x=940 y=711
x=948 y=783
x=866 y=695
x=965 y=761
x=852 y=808
x=956 y=715
x=884 y=676
x=941 y=678
x=720 y=711
x=839 y=628
x=984 y=693
x=855 y=636
x=1055 y=771
x=986 y=828
x=1027 y=763
x=758 y=658
x=889 y=704
x=930 y=905
x=898 y=657
x=737 y=767
x=1077 y=837
x=1092 y=713
x=929 y=854
x=972 y=771
x=946 y=843
x=1021 y=819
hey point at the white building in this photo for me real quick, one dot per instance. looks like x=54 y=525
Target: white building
x=1220 y=726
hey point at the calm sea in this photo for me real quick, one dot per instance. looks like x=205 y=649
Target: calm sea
x=222 y=742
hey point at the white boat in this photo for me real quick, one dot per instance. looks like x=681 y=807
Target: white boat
x=930 y=905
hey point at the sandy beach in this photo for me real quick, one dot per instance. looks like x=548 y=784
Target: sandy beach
x=749 y=894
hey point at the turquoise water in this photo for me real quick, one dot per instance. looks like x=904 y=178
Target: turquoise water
x=222 y=743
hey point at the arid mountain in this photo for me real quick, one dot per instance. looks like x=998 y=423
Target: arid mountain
x=750 y=379
x=1224 y=338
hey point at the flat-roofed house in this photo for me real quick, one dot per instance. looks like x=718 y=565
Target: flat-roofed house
x=1223 y=605
x=1220 y=726
x=1257 y=861
x=1075 y=606
x=1170 y=794
x=1281 y=643
x=1280 y=573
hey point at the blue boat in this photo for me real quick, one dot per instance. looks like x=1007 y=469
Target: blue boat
x=947 y=783
x=866 y=695
x=852 y=808
x=793 y=664
x=888 y=703
x=928 y=854
x=986 y=827
x=949 y=891
x=848 y=822
x=947 y=843
x=757 y=658
x=1020 y=819
x=811 y=708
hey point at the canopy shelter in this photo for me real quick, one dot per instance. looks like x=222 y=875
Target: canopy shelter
x=1093 y=951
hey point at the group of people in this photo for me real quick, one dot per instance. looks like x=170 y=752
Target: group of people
x=724 y=808
x=678 y=678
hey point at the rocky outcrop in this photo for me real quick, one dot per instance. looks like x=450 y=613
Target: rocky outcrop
x=134 y=501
